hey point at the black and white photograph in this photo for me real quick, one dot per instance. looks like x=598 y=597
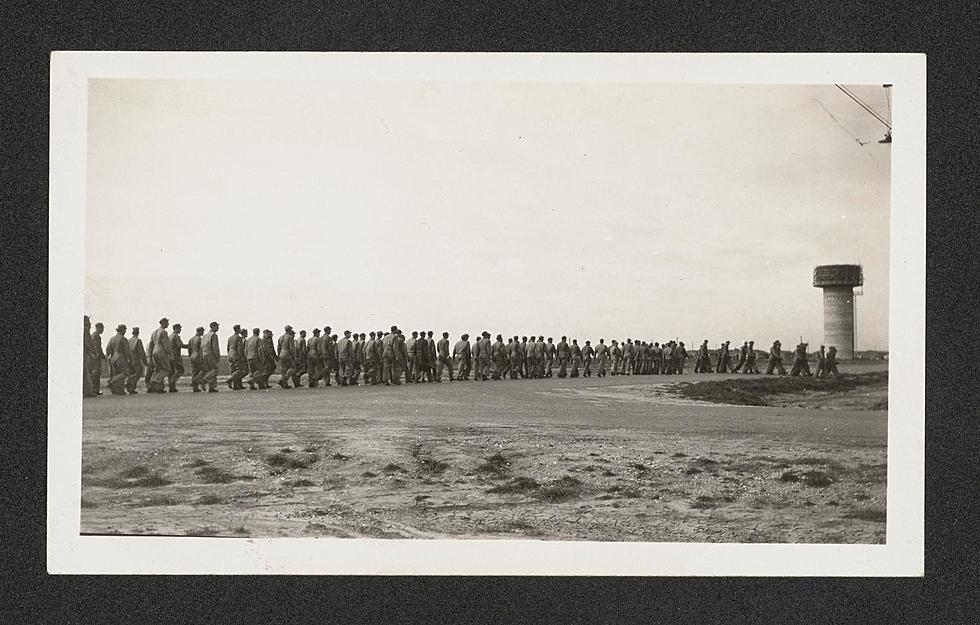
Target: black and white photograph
x=482 y=313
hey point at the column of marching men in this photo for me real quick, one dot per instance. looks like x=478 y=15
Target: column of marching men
x=392 y=358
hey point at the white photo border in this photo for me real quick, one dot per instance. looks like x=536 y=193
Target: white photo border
x=69 y=552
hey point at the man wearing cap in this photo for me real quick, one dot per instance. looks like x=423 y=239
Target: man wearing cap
x=750 y=366
x=401 y=361
x=444 y=359
x=176 y=358
x=776 y=359
x=236 y=347
x=564 y=354
x=550 y=353
x=267 y=359
x=702 y=359
x=160 y=356
x=328 y=352
x=602 y=357
x=616 y=355
x=117 y=353
x=98 y=356
x=211 y=353
x=587 y=354
x=743 y=353
x=831 y=364
x=300 y=357
x=345 y=356
x=422 y=369
x=462 y=354
x=253 y=359
x=576 y=356
x=498 y=354
x=821 y=372
x=368 y=360
x=680 y=357
x=137 y=361
x=88 y=356
x=198 y=369
x=388 y=355
x=314 y=362
x=286 y=351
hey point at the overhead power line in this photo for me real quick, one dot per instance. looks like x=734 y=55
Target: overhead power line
x=865 y=106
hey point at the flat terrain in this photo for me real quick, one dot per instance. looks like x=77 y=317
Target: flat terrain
x=619 y=459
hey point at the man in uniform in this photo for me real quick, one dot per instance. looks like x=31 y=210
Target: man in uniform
x=286 y=350
x=550 y=353
x=422 y=359
x=367 y=357
x=236 y=348
x=211 y=353
x=328 y=352
x=389 y=350
x=498 y=353
x=253 y=355
x=750 y=366
x=137 y=361
x=776 y=359
x=357 y=359
x=160 y=348
x=821 y=363
x=117 y=353
x=656 y=355
x=176 y=357
x=98 y=356
x=401 y=364
x=576 y=353
x=562 y=354
x=345 y=356
x=616 y=356
x=461 y=354
x=800 y=364
x=87 y=357
x=267 y=359
x=629 y=357
x=445 y=361
x=831 y=365
x=602 y=357
x=433 y=356
x=197 y=359
x=680 y=356
x=587 y=354
x=743 y=353
x=485 y=359
x=302 y=349
x=667 y=358
x=702 y=358
x=314 y=363
x=410 y=363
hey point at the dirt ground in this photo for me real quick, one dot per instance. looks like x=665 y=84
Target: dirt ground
x=617 y=459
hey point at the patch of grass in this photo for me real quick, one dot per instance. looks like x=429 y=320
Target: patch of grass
x=158 y=500
x=817 y=479
x=692 y=471
x=562 y=489
x=426 y=463
x=135 y=472
x=341 y=457
x=876 y=515
x=302 y=483
x=881 y=404
x=516 y=486
x=608 y=473
x=88 y=504
x=753 y=391
x=705 y=502
x=197 y=462
x=286 y=450
x=209 y=500
x=789 y=476
x=214 y=475
x=497 y=464
x=368 y=474
x=284 y=461
x=391 y=467
x=639 y=466
x=705 y=462
x=678 y=454
x=241 y=529
x=311 y=448
x=207 y=530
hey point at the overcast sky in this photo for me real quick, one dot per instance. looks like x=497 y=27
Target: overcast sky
x=592 y=210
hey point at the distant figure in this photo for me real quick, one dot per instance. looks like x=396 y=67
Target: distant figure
x=800 y=364
x=602 y=357
x=516 y=354
x=550 y=353
x=137 y=361
x=831 y=365
x=236 y=358
x=587 y=354
x=160 y=348
x=743 y=354
x=616 y=355
x=253 y=359
x=723 y=358
x=97 y=357
x=462 y=355
x=821 y=363
x=680 y=357
x=750 y=366
x=498 y=353
x=267 y=358
x=314 y=362
x=211 y=351
x=563 y=352
x=776 y=359
x=117 y=353
x=198 y=370
x=88 y=356
x=703 y=362
x=576 y=358
x=629 y=357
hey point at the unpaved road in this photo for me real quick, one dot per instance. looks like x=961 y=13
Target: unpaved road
x=612 y=459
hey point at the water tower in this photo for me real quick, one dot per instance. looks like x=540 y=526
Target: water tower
x=838 y=282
